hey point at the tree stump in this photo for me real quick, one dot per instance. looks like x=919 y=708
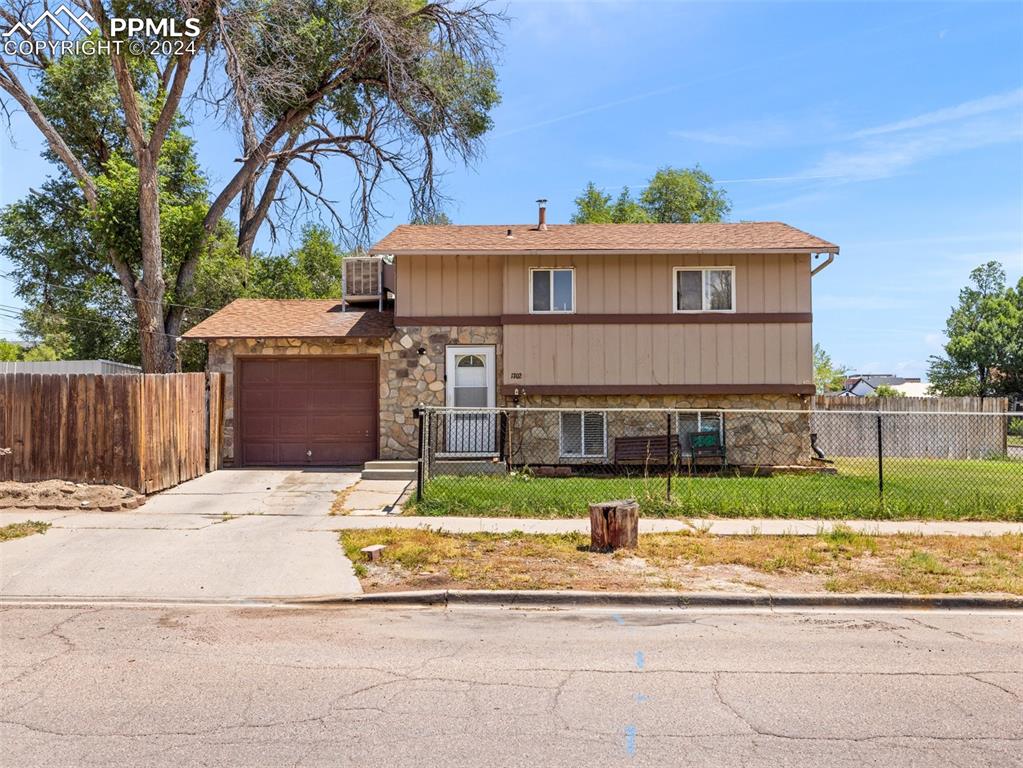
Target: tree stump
x=614 y=525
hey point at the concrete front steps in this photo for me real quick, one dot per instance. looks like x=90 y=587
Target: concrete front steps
x=389 y=470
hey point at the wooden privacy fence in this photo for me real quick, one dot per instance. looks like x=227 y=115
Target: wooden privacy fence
x=147 y=432
x=924 y=427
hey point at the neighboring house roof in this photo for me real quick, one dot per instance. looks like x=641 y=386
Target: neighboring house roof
x=877 y=379
x=291 y=318
x=858 y=387
x=867 y=384
x=915 y=389
x=746 y=237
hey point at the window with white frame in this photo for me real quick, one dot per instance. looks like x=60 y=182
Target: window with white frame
x=583 y=434
x=699 y=421
x=552 y=290
x=704 y=289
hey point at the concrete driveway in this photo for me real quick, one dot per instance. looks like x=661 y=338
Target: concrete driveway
x=239 y=533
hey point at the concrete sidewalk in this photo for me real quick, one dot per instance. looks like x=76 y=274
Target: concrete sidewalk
x=738 y=527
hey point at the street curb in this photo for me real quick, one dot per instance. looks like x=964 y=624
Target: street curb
x=578 y=599
x=555 y=599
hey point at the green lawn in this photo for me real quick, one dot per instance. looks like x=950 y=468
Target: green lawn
x=914 y=489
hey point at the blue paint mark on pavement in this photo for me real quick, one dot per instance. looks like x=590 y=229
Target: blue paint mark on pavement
x=640 y=660
x=630 y=740
x=641 y=698
x=618 y=617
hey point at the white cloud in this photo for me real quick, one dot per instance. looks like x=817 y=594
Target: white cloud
x=894 y=148
x=804 y=129
x=882 y=158
x=994 y=103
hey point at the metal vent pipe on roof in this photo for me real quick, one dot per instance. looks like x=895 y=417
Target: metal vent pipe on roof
x=542 y=223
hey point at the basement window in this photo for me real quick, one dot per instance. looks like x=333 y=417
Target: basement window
x=583 y=434
x=552 y=290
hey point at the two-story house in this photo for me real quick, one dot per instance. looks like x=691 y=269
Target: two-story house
x=573 y=316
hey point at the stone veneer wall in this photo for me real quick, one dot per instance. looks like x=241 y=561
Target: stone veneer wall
x=407 y=379
x=764 y=439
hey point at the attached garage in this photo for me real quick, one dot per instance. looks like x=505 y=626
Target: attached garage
x=303 y=381
x=318 y=411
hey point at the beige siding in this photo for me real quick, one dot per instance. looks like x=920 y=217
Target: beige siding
x=449 y=286
x=609 y=284
x=624 y=354
x=641 y=354
x=630 y=284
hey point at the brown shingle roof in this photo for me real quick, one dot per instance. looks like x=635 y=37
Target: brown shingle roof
x=747 y=237
x=291 y=318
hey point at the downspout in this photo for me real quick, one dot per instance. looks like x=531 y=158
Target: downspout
x=822 y=265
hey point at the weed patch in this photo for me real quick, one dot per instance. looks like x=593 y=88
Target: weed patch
x=20 y=530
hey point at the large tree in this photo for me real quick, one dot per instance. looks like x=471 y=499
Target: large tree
x=672 y=196
x=984 y=353
x=384 y=84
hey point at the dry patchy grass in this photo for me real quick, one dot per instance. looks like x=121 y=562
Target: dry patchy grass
x=839 y=561
x=20 y=530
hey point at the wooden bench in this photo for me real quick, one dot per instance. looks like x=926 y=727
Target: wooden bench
x=651 y=449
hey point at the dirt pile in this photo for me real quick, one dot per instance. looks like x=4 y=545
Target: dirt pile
x=66 y=496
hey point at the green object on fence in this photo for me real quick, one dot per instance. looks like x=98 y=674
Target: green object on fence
x=704 y=440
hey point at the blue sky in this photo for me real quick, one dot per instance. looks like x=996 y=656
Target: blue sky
x=892 y=129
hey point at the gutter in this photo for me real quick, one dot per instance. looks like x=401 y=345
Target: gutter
x=819 y=267
x=528 y=251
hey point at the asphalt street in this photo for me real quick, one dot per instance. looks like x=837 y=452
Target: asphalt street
x=88 y=685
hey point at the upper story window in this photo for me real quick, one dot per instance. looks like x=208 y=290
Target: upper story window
x=709 y=289
x=552 y=290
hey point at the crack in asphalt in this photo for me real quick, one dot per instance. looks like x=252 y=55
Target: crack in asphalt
x=399 y=684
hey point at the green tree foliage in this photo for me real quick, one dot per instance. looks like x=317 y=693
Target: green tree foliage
x=684 y=196
x=886 y=390
x=437 y=218
x=9 y=351
x=627 y=211
x=673 y=196
x=984 y=353
x=593 y=206
x=827 y=377
x=40 y=353
x=311 y=271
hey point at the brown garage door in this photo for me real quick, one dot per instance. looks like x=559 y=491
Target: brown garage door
x=316 y=411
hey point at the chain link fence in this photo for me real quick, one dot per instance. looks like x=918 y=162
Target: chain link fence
x=552 y=462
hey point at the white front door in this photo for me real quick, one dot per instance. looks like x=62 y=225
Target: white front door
x=471 y=383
